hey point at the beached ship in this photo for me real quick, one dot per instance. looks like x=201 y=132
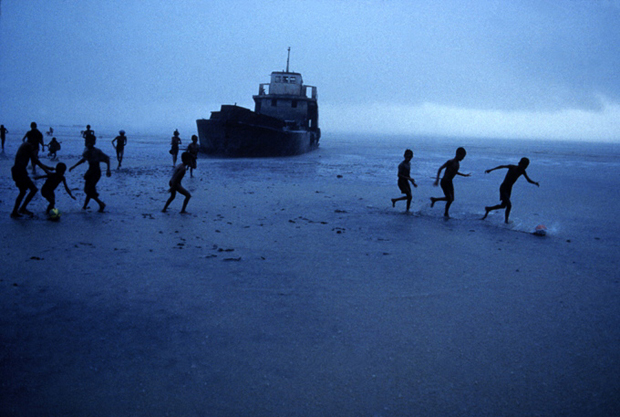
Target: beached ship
x=285 y=121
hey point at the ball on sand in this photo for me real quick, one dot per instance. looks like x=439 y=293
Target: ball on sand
x=54 y=214
x=540 y=230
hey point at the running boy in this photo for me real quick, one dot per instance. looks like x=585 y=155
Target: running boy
x=175 y=182
x=3 y=132
x=452 y=169
x=93 y=156
x=404 y=176
x=174 y=146
x=24 y=154
x=505 y=190
x=119 y=143
x=89 y=137
x=35 y=138
x=52 y=181
x=53 y=147
x=193 y=149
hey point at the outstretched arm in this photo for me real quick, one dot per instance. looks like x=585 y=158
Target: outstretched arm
x=45 y=167
x=497 y=167
x=463 y=175
x=529 y=180
x=80 y=162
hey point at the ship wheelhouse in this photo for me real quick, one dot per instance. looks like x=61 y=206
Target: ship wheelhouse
x=288 y=99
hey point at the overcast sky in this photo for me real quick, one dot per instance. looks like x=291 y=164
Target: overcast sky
x=508 y=69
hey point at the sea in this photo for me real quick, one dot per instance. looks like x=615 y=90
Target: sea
x=577 y=197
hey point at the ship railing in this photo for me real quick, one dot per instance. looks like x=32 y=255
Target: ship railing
x=307 y=91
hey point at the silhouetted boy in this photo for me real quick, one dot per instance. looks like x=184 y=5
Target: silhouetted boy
x=35 y=138
x=505 y=190
x=193 y=149
x=175 y=182
x=24 y=154
x=404 y=176
x=174 y=146
x=53 y=147
x=3 y=132
x=119 y=143
x=452 y=169
x=89 y=137
x=93 y=156
x=52 y=181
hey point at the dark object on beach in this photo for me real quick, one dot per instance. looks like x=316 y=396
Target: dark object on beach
x=540 y=230
x=285 y=121
x=53 y=147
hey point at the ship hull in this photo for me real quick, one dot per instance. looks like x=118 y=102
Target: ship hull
x=239 y=132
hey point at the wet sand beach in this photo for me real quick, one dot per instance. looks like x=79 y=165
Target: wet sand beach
x=296 y=293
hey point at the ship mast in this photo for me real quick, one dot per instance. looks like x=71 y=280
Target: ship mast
x=288 y=57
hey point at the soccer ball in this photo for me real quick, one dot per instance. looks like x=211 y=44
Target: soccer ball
x=541 y=230
x=54 y=214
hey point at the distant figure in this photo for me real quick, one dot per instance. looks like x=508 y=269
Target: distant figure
x=35 y=138
x=53 y=147
x=452 y=169
x=505 y=190
x=175 y=182
x=89 y=137
x=52 y=181
x=119 y=143
x=404 y=176
x=3 y=132
x=174 y=149
x=24 y=154
x=193 y=150
x=93 y=156
x=50 y=132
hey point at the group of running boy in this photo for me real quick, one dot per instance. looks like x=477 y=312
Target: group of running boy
x=452 y=167
x=54 y=176
x=28 y=152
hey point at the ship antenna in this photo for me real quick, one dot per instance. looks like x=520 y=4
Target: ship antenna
x=288 y=58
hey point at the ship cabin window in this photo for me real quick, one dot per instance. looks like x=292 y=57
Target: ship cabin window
x=274 y=102
x=286 y=79
x=294 y=104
